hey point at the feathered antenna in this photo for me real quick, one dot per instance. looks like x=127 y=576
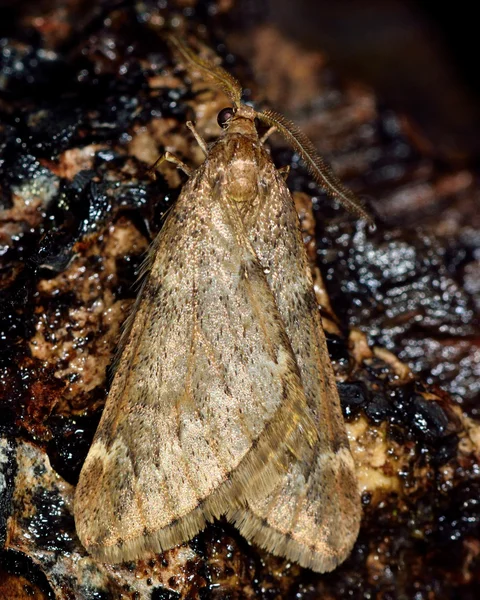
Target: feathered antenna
x=316 y=165
x=321 y=172
x=225 y=81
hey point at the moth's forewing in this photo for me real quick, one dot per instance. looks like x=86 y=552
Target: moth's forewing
x=207 y=395
x=313 y=515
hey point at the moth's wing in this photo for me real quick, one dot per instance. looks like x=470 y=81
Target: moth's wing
x=206 y=393
x=313 y=515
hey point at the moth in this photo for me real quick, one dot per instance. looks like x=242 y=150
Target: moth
x=224 y=401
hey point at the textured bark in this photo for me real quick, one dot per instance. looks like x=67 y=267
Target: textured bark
x=90 y=97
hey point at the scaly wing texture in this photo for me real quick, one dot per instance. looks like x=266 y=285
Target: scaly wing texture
x=206 y=393
x=313 y=515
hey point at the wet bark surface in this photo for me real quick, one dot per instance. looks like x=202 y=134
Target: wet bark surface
x=90 y=96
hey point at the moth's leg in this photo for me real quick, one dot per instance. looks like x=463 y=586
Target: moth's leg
x=284 y=171
x=267 y=134
x=169 y=157
x=198 y=137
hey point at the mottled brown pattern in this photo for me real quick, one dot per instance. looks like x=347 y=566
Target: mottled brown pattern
x=318 y=498
x=421 y=517
x=207 y=390
x=224 y=395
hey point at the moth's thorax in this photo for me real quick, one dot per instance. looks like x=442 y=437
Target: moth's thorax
x=241 y=168
x=243 y=121
x=240 y=157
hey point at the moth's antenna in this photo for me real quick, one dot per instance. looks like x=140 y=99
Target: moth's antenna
x=319 y=169
x=225 y=81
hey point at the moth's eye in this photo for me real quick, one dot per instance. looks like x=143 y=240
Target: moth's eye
x=224 y=117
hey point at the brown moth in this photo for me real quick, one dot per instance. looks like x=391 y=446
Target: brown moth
x=224 y=400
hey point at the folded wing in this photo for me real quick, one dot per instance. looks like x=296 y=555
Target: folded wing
x=207 y=395
x=313 y=515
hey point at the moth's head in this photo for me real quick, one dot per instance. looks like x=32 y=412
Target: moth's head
x=238 y=119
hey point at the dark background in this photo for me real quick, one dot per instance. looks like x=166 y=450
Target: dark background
x=421 y=57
